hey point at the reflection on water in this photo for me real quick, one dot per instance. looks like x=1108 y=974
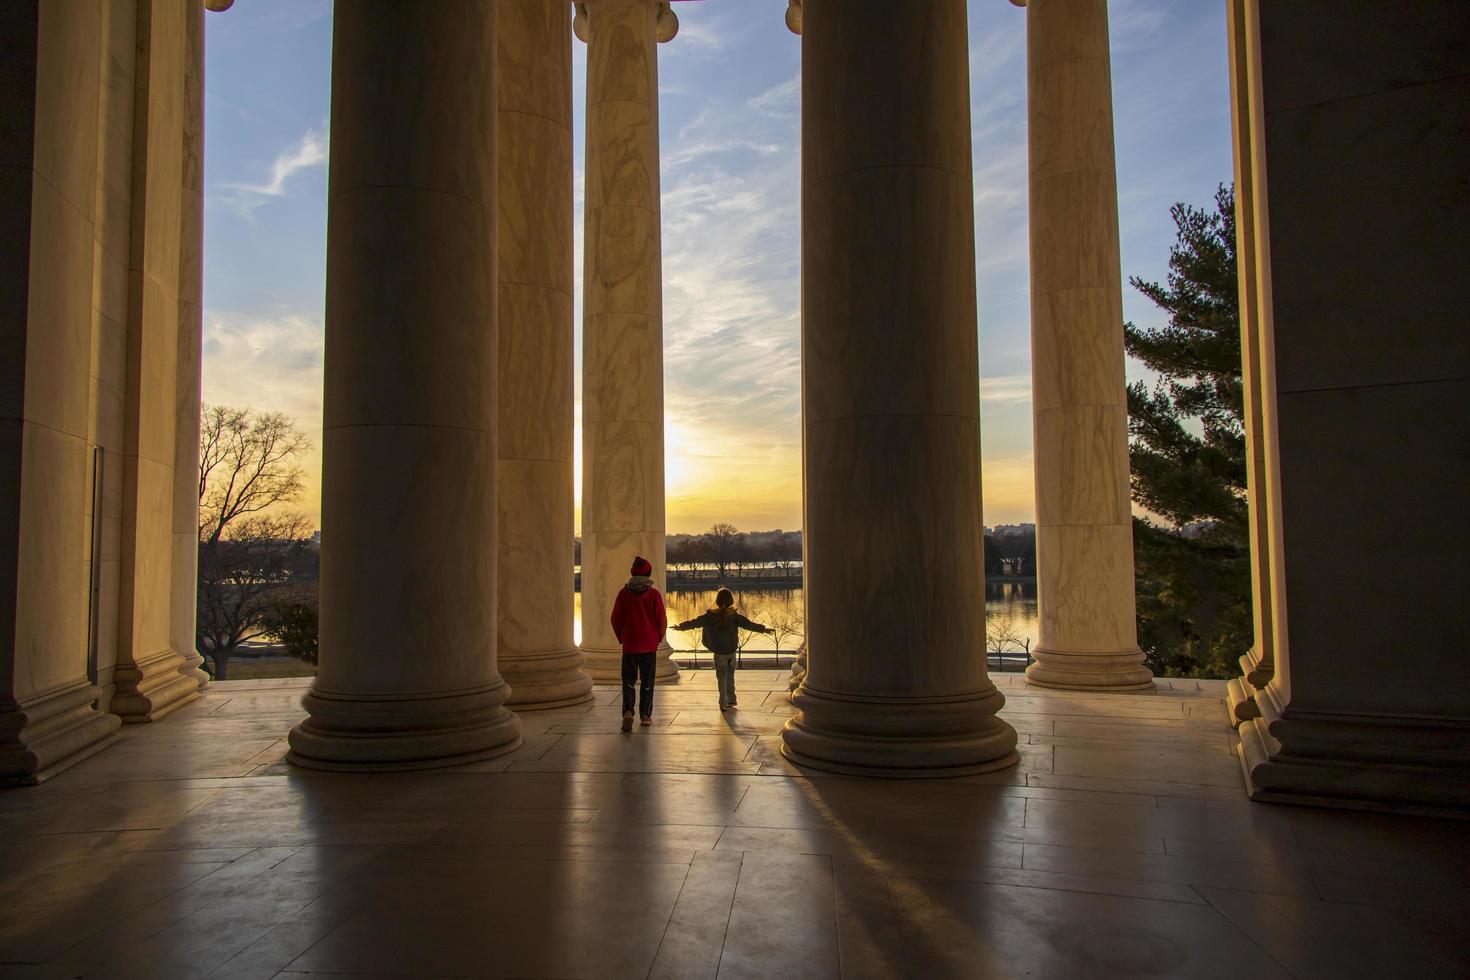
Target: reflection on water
x=1013 y=603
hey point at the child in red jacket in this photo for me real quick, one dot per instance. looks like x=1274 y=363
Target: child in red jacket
x=639 y=621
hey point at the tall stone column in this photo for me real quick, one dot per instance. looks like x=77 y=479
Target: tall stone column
x=185 y=584
x=1363 y=382
x=408 y=676
x=896 y=682
x=1259 y=662
x=622 y=318
x=1088 y=636
x=153 y=677
x=51 y=60
x=538 y=654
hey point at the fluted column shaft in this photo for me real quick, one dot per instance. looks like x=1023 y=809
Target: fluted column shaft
x=185 y=584
x=1084 y=535
x=537 y=652
x=153 y=677
x=622 y=310
x=896 y=682
x=408 y=675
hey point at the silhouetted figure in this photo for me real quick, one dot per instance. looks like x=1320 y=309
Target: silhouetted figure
x=639 y=621
x=721 y=637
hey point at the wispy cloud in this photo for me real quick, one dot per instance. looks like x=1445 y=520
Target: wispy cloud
x=731 y=229
x=271 y=363
x=308 y=152
x=265 y=360
x=1006 y=389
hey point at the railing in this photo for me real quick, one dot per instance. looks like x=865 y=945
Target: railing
x=783 y=659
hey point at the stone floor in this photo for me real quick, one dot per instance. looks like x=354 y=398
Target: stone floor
x=1122 y=846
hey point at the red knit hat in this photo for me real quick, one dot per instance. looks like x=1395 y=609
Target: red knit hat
x=641 y=566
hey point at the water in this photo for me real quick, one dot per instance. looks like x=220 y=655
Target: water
x=1009 y=603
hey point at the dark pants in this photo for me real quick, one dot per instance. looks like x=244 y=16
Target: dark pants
x=638 y=668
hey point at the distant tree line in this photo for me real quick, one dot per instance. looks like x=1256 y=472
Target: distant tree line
x=1011 y=552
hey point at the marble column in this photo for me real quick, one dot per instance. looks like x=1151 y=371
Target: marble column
x=1363 y=383
x=1088 y=635
x=538 y=654
x=896 y=682
x=150 y=678
x=1259 y=662
x=185 y=584
x=47 y=199
x=408 y=676
x=622 y=318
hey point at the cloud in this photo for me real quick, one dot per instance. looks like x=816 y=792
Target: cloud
x=731 y=278
x=267 y=362
x=308 y=152
x=1012 y=389
x=271 y=363
x=779 y=101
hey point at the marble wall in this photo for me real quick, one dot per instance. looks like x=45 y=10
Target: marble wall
x=146 y=678
x=48 y=173
x=1362 y=230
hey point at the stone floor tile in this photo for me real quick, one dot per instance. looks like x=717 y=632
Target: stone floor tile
x=1161 y=764
x=695 y=936
x=1239 y=875
x=1318 y=940
x=782 y=923
x=868 y=943
x=506 y=918
x=952 y=929
x=1164 y=792
x=1121 y=806
x=872 y=849
x=961 y=871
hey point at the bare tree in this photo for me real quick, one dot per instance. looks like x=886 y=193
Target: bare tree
x=252 y=554
x=1001 y=635
x=722 y=539
x=247 y=464
x=785 y=625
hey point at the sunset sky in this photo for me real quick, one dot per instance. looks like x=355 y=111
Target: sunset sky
x=730 y=109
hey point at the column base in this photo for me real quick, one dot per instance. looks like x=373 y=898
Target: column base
x=149 y=690
x=1241 y=700
x=552 y=679
x=194 y=669
x=1256 y=669
x=911 y=738
x=1241 y=692
x=1063 y=670
x=798 y=670
x=42 y=737
x=606 y=666
x=384 y=733
x=1408 y=765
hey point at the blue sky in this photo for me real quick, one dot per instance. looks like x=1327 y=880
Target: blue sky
x=729 y=105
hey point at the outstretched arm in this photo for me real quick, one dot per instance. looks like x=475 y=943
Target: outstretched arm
x=694 y=623
x=747 y=624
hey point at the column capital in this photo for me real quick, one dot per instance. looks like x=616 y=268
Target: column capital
x=666 y=26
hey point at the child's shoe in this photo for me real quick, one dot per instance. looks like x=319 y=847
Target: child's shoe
x=645 y=721
x=627 y=721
